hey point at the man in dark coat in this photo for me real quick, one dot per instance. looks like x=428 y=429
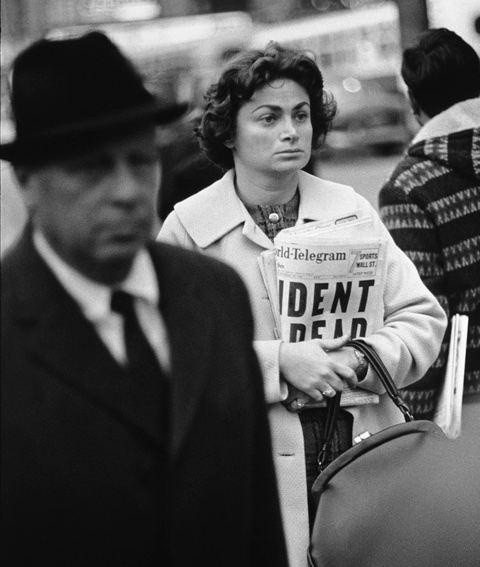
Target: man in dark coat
x=133 y=425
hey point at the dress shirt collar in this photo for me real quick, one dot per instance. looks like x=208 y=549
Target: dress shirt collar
x=94 y=297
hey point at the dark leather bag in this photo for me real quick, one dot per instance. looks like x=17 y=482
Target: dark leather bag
x=353 y=491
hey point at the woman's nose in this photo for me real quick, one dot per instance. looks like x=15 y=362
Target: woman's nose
x=289 y=129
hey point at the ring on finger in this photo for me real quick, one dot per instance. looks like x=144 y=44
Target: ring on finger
x=329 y=392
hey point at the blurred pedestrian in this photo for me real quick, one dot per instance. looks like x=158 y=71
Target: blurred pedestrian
x=133 y=425
x=185 y=168
x=264 y=116
x=431 y=201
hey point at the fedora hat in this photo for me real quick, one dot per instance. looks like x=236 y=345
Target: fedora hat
x=68 y=92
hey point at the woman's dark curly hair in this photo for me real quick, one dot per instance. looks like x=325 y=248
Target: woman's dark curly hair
x=241 y=77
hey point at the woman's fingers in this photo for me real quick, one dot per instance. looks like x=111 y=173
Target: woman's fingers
x=332 y=344
x=345 y=373
x=296 y=399
x=325 y=389
x=297 y=405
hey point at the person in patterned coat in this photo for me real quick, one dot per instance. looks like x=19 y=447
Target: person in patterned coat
x=431 y=201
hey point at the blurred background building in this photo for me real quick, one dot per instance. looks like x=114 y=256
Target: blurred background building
x=180 y=45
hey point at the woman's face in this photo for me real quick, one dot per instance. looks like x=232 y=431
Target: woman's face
x=274 y=130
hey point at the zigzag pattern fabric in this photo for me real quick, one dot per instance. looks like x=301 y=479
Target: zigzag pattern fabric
x=431 y=206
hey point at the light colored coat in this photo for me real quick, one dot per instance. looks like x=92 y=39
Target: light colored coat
x=216 y=221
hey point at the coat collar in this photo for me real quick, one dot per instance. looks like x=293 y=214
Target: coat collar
x=462 y=116
x=214 y=212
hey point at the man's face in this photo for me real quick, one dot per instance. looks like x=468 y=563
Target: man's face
x=97 y=209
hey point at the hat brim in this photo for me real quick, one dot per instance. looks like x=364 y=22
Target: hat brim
x=37 y=147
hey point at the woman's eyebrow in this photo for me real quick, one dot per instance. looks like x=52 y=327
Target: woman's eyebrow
x=277 y=107
x=300 y=104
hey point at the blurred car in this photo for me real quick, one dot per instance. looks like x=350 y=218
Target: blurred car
x=368 y=115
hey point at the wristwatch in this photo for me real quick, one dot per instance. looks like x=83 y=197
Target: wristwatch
x=362 y=364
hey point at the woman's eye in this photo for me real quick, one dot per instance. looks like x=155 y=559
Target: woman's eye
x=268 y=119
x=302 y=116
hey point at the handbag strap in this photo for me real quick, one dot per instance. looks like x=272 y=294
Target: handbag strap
x=376 y=362
x=333 y=404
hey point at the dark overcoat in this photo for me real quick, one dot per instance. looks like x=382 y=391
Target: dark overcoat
x=85 y=476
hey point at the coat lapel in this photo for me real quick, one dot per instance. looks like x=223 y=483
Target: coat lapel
x=212 y=213
x=64 y=343
x=190 y=329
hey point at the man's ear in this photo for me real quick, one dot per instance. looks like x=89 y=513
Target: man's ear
x=229 y=144
x=22 y=174
x=420 y=115
x=413 y=103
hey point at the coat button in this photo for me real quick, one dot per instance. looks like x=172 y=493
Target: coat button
x=273 y=217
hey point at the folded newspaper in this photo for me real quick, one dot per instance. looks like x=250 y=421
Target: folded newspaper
x=448 y=414
x=325 y=279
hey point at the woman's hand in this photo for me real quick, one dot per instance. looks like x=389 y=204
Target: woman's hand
x=312 y=373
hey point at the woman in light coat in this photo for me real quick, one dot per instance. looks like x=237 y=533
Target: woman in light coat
x=263 y=117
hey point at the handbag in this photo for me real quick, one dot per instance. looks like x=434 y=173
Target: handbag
x=355 y=493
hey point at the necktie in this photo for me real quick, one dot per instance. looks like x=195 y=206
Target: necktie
x=142 y=365
x=144 y=369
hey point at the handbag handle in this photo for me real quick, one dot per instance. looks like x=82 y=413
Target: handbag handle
x=333 y=404
x=384 y=375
